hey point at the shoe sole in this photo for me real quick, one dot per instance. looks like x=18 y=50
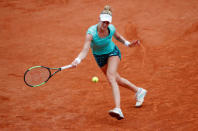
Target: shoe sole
x=138 y=106
x=142 y=102
x=117 y=116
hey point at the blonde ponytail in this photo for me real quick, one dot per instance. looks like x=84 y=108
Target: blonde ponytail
x=107 y=10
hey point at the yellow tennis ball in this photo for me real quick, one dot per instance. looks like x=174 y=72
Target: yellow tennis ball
x=95 y=79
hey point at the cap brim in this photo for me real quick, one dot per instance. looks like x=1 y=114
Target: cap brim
x=106 y=17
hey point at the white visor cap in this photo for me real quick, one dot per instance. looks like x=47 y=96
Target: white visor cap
x=106 y=17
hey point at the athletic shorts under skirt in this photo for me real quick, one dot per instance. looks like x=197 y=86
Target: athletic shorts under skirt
x=103 y=59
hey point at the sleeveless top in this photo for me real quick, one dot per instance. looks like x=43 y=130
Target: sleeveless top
x=99 y=45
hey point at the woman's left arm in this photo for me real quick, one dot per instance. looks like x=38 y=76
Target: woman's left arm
x=124 y=41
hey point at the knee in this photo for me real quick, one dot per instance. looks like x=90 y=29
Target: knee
x=118 y=78
x=111 y=76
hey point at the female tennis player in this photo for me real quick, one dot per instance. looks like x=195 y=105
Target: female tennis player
x=108 y=56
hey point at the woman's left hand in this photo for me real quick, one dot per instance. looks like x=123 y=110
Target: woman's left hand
x=134 y=43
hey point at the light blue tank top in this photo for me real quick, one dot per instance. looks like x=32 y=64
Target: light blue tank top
x=99 y=45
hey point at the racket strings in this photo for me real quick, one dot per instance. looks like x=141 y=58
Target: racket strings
x=37 y=76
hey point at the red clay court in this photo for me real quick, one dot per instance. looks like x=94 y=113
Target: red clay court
x=52 y=33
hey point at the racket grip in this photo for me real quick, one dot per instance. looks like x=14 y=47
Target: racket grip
x=66 y=67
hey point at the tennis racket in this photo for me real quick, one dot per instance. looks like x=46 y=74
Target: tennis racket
x=39 y=75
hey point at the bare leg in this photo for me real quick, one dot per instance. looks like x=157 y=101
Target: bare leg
x=125 y=83
x=111 y=73
x=110 y=70
x=122 y=81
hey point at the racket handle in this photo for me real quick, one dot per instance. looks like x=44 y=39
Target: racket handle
x=66 y=67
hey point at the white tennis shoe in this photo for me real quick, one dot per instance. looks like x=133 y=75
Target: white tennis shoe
x=141 y=93
x=117 y=113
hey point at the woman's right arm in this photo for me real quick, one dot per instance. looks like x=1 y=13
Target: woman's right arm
x=84 y=51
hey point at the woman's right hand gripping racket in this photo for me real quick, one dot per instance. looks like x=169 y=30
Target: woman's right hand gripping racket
x=39 y=75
